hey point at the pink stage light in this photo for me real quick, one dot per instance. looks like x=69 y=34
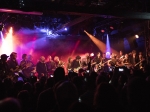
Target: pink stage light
x=20 y=12
x=7 y=44
x=92 y=54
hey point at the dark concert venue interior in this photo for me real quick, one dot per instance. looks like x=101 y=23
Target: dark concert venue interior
x=97 y=35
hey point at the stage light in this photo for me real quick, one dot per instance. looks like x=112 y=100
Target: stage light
x=111 y=27
x=92 y=54
x=107 y=54
x=102 y=31
x=50 y=32
x=65 y=29
x=7 y=45
x=137 y=36
x=107 y=45
x=101 y=45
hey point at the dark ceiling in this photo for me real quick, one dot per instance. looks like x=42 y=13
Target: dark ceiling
x=125 y=16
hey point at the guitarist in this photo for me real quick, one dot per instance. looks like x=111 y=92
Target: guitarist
x=69 y=64
x=50 y=65
x=24 y=65
x=58 y=62
x=85 y=61
x=76 y=64
x=133 y=58
x=141 y=62
x=98 y=61
x=4 y=70
x=13 y=63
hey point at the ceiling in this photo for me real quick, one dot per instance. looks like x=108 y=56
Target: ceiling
x=116 y=17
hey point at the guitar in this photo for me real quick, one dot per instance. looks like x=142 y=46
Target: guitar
x=139 y=62
x=85 y=67
x=60 y=64
x=135 y=65
x=17 y=69
x=76 y=69
x=102 y=64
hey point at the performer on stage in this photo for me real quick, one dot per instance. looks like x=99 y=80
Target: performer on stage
x=24 y=66
x=76 y=64
x=126 y=60
x=121 y=56
x=27 y=66
x=98 y=58
x=104 y=59
x=58 y=62
x=69 y=64
x=85 y=61
x=4 y=69
x=97 y=61
x=31 y=66
x=13 y=63
x=50 y=65
x=133 y=58
x=112 y=62
x=41 y=67
x=141 y=61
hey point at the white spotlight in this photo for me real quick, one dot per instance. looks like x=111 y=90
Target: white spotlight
x=137 y=36
x=92 y=54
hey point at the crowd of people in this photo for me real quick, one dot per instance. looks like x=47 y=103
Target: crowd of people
x=118 y=83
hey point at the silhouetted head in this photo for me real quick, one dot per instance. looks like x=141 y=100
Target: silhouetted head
x=4 y=57
x=50 y=82
x=59 y=74
x=27 y=86
x=24 y=96
x=101 y=78
x=10 y=105
x=66 y=94
x=137 y=91
x=105 y=95
x=24 y=56
x=92 y=79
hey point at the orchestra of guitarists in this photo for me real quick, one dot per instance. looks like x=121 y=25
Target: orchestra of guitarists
x=45 y=67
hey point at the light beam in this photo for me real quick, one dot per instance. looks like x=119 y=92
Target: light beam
x=100 y=44
x=7 y=44
x=108 y=47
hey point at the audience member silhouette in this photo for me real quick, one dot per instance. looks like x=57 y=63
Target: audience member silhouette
x=65 y=94
x=10 y=105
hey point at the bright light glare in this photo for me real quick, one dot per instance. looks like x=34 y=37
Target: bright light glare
x=92 y=54
x=108 y=54
x=108 y=47
x=50 y=32
x=137 y=36
x=66 y=29
x=7 y=44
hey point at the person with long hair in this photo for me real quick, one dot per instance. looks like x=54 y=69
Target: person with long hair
x=69 y=64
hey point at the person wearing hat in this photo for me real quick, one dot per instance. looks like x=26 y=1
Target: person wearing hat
x=4 y=69
x=76 y=64
x=13 y=63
